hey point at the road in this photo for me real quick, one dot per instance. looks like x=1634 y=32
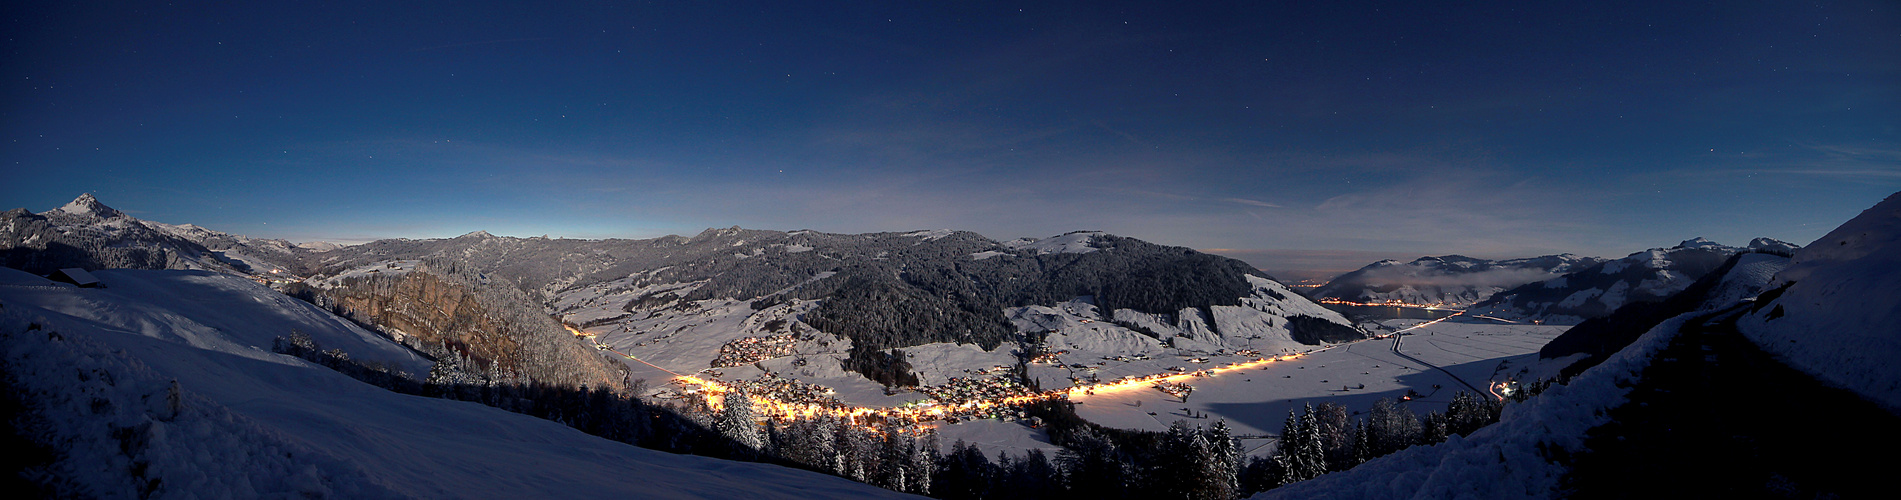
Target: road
x=1716 y=417
x=1397 y=336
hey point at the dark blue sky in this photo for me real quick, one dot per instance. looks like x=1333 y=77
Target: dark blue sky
x=1288 y=133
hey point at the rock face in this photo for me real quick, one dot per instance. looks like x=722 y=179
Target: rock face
x=1595 y=291
x=1451 y=280
x=487 y=328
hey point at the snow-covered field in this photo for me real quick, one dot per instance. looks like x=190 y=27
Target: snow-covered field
x=1503 y=460
x=687 y=337
x=1256 y=401
x=99 y=366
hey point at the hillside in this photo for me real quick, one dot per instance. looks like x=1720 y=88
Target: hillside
x=1687 y=408
x=88 y=234
x=872 y=293
x=1597 y=290
x=1742 y=277
x=489 y=329
x=896 y=309
x=1451 y=280
x=163 y=385
x=1833 y=312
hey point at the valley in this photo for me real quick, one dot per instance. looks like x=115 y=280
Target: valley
x=883 y=357
x=972 y=250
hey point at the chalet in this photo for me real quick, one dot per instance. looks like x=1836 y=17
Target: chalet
x=75 y=276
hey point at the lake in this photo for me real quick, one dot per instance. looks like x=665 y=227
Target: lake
x=1388 y=312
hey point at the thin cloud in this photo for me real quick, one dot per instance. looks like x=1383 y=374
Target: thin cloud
x=1257 y=203
x=1865 y=173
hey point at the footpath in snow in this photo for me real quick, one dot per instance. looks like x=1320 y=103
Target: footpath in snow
x=1715 y=416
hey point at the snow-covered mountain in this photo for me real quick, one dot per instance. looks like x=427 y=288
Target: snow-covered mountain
x=1451 y=280
x=832 y=307
x=1829 y=311
x=953 y=300
x=163 y=384
x=88 y=234
x=1742 y=277
x=1597 y=290
x=1835 y=312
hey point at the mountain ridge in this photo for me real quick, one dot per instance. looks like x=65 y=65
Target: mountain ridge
x=883 y=291
x=1448 y=280
x=1598 y=290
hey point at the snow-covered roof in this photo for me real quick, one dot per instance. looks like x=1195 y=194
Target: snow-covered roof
x=77 y=276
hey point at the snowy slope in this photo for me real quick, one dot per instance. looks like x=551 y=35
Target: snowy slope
x=86 y=233
x=1451 y=280
x=1595 y=291
x=1503 y=460
x=1076 y=242
x=751 y=331
x=98 y=363
x=204 y=310
x=1838 y=316
x=1752 y=274
x=1591 y=341
x=1255 y=401
x=255 y=255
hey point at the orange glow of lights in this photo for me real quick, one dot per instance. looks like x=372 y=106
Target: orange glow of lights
x=864 y=417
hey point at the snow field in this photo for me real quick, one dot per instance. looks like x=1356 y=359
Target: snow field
x=1256 y=401
x=256 y=424
x=208 y=311
x=1503 y=460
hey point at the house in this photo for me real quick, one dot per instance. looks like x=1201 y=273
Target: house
x=75 y=276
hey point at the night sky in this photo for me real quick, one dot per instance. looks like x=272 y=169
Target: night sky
x=1296 y=135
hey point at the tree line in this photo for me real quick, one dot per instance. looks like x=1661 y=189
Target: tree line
x=1324 y=438
x=1185 y=461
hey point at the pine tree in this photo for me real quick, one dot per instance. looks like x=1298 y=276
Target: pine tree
x=1187 y=464
x=1310 y=453
x=1228 y=455
x=1036 y=477
x=892 y=455
x=841 y=457
x=1395 y=427
x=1433 y=429
x=1284 y=450
x=1094 y=466
x=924 y=459
x=862 y=454
x=817 y=445
x=1210 y=478
x=737 y=422
x=1362 y=444
x=1469 y=412
x=965 y=473
x=1334 y=428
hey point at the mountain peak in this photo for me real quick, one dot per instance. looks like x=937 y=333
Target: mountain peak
x=1698 y=242
x=86 y=204
x=1773 y=245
